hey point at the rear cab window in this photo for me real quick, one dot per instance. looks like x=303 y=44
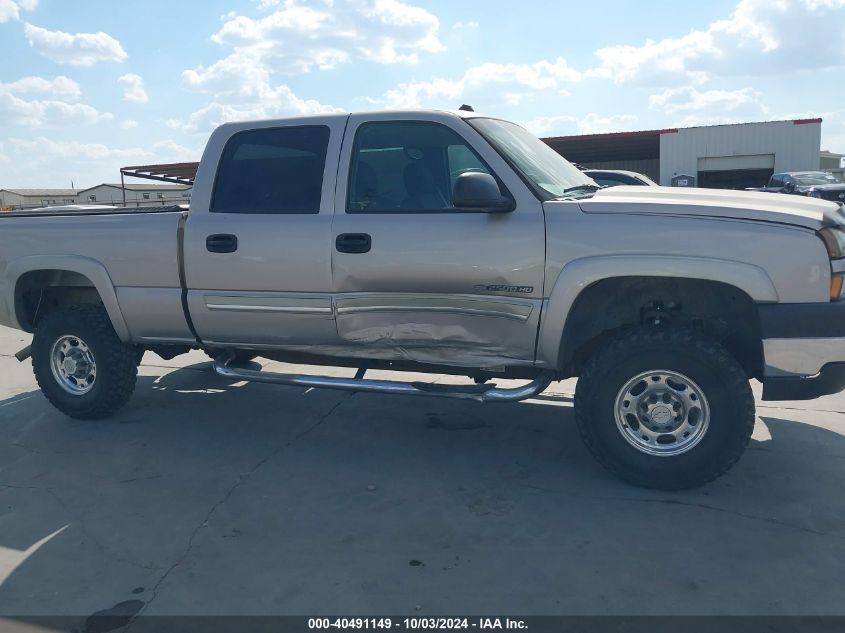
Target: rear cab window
x=272 y=171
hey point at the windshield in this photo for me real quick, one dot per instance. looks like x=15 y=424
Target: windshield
x=815 y=178
x=548 y=173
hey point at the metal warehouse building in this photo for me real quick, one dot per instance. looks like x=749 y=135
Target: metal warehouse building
x=717 y=156
x=28 y=198
x=135 y=195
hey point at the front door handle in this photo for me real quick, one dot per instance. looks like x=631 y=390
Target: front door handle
x=221 y=243
x=353 y=243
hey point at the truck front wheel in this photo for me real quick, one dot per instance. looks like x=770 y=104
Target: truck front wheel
x=82 y=367
x=664 y=408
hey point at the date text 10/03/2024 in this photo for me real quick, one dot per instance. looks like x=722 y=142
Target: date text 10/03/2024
x=417 y=623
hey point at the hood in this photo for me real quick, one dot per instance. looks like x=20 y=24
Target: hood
x=716 y=203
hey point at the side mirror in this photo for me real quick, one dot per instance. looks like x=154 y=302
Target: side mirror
x=789 y=187
x=477 y=190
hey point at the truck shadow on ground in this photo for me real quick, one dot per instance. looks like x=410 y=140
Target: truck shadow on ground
x=327 y=502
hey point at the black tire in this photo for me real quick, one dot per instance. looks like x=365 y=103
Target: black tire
x=719 y=376
x=116 y=362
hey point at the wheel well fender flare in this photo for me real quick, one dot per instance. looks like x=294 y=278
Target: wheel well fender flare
x=89 y=268
x=581 y=273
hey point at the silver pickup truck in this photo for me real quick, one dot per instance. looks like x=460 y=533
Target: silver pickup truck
x=447 y=242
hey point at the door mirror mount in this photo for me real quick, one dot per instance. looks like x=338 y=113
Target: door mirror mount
x=480 y=192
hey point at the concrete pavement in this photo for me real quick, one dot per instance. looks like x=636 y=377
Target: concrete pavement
x=210 y=497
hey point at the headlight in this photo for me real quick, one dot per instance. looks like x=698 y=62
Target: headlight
x=834 y=242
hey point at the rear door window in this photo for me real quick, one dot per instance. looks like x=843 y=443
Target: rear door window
x=272 y=171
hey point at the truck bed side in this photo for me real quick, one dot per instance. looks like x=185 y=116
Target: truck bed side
x=129 y=257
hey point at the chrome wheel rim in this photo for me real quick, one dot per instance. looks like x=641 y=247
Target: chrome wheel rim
x=662 y=413
x=73 y=365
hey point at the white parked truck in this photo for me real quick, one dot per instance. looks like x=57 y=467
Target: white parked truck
x=447 y=242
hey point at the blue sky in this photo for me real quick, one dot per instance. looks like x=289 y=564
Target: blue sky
x=86 y=87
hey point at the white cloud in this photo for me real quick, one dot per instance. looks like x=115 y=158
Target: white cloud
x=695 y=107
x=479 y=81
x=555 y=125
x=57 y=103
x=760 y=36
x=42 y=149
x=170 y=151
x=596 y=123
x=264 y=102
x=133 y=88
x=242 y=89
x=470 y=25
x=299 y=37
x=44 y=161
x=232 y=75
x=40 y=113
x=128 y=124
x=564 y=125
x=57 y=86
x=10 y=9
x=78 y=49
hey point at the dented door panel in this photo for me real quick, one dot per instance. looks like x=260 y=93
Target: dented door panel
x=455 y=287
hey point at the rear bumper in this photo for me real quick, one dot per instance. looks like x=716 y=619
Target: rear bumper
x=804 y=350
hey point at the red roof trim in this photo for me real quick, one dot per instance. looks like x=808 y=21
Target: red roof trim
x=647 y=133
x=639 y=133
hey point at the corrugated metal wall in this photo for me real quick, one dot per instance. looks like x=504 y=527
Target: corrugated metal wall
x=795 y=146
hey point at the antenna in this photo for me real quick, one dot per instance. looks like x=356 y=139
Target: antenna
x=466 y=108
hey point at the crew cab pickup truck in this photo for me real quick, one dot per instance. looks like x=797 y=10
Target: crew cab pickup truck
x=815 y=184
x=447 y=242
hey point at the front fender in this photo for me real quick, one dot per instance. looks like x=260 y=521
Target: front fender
x=581 y=273
x=90 y=268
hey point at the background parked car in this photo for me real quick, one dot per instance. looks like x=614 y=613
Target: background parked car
x=816 y=184
x=614 y=177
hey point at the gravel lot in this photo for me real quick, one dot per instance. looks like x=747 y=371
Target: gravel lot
x=207 y=497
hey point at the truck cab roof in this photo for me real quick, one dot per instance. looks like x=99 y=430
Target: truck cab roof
x=414 y=113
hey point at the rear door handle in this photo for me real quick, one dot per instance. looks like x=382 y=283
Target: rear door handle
x=221 y=243
x=353 y=243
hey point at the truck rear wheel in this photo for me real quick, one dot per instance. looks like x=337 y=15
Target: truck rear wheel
x=664 y=408
x=82 y=367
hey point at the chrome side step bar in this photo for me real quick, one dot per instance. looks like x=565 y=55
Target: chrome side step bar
x=479 y=393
